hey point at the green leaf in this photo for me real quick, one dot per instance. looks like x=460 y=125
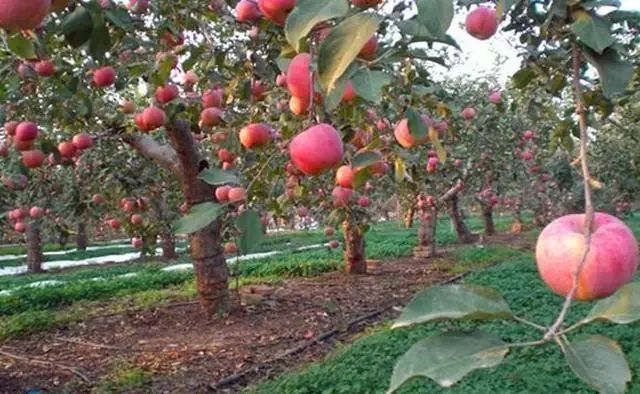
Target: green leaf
x=100 y=41
x=447 y=357
x=199 y=217
x=417 y=127
x=623 y=307
x=360 y=178
x=21 y=47
x=615 y=74
x=599 y=362
x=453 y=302
x=119 y=17
x=333 y=99
x=342 y=46
x=77 y=27
x=250 y=228
x=400 y=170
x=592 y=30
x=218 y=177
x=435 y=140
x=435 y=15
x=365 y=159
x=589 y=4
x=369 y=84
x=522 y=77
x=307 y=14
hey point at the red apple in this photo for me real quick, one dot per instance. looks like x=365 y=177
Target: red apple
x=153 y=118
x=528 y=135
x=138 y=6
x=257 y=91
x=468 y=113
x=303 y=212
x=137 y=242
x=26 y=131
x=82 y=141
x=36 y=212
x=276 y=10
x=495 y=97
x=366 y=3
x=349 y=92
x=67 y=149
x=317 y=149
x=363 y=201
x=255 y=135
x=329 y=231
x=45 y=68
x=341 y=196
x=334 y=244
x=10 y=128
x=97 y=199
x=33 y=158
x=136 y=219
x=166 y=93
x=298 y=105
x=482 y=23
x=127 y=107
x=230 y=248
x=210 y=116
x=212 y=98
x=105 y=76
x=247 y=11
x=20 y=227
x=368 y=51
x=225 y=155
x=16 y=15
x=344 y=176
x=299 y=76
x=611 y=263
x=237 y=194
x=222 y=193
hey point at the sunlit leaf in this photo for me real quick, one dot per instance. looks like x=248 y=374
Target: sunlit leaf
x=623 y=307
x=199 y=217
x=307 y=14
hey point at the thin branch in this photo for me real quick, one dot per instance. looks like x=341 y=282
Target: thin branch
x=529 y=323
x=148 y=147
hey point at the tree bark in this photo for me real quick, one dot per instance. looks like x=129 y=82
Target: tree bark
x=34 y=247
x=487 y=219
x=209 y=263
x=409 y=215
x=81 y=238
x=168 y=245
x=464 y=235
x=354 y=252
x=427 y=233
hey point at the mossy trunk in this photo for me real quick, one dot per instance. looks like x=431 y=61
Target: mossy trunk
x=34 y=247
x=207 y=253
x=462 y=231
x=354 y=251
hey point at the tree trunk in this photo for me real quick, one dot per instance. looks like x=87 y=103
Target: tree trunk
x=427 y=235
x=464 y=235
x=487 y=219
x=408 y=217
x=34 y=247
x=209 y=263
x=168 y=246
x=81 y=239
x=354 y=252
x=63 y=237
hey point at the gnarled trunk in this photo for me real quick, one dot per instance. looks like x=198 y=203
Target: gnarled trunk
x=427 y=235
x=487 y=219
x=464 y=235
x=81 y=238
x=354 y=253
x=168 y=245
x=209 y=263
x=409 y=214
x=34 y=247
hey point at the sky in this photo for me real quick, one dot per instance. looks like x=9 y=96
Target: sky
x=479 y=57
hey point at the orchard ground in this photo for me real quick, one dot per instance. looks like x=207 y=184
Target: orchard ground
x=141 y=332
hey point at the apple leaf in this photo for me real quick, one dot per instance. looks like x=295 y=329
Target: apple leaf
x=599 y=362
x=400 y=170
x=307 y=14
x=77 y=27
x=435 y=15
x=21 y=47
x=623 y=307
x=342 y=46
x=615 y=74
x=447 y=357
x=369 y=84
x=216 y=177
x=250 y=228
x=100 y=40
x=417 y=128
x=365 y=159
x=453 y=302
x=199 y=217
x=592 y=30
x=435 y=140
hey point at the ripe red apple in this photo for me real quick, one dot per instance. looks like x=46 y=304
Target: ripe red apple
x=299 y=76
x=222 y=193
x=136 y=219
x=276 y=10
x=26 y=131
x=166 y=93
x=341 y=196
x=349 y=92
x=257 y=91
x=237 y=194
x=495 y=97
x=302 y=212
x=281 y=79
x=127 y=107
x=298 y=105
x=10 y=128
x=4 y=150
x=210 y=116
x=334 y=244
x=363 y=201
x=33 y=158
x=366 y=3
x=23 y=145
x=230 y=248
x=212 y=98
x=97 y=199
x=528 y=135
x=82 y=141
x=225 y=155
x=114 y=223
x=153 y=118
x=45 y=68
x=247 y=11
x=404 y=137
x=255 y=135
x=611 y=263
x=20 y=227
x=482 y=23
x=138 y=6
x=317 y=149
x=16 y=15
x=468 y=113
x=329 y=231
x=190 y=78
x=105 y=76
x=344 y=176
x=457 y=163
x=67 y=149
x=137 y=242
x=36 y=212
x=368 y=51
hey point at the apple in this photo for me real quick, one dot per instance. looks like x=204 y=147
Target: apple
x=247 y=11
x=137 y=242
x=20 y=227
x=349 y=93
x=45 y=68
x=36 y=212
x=97 y=199
x=299 y=105
x=457 y=163
x=237 y=194
x=528 y=135
x=225 y=155
x=366 y=3
x=23 y=145
x=16 y=15
x=255 y=135
x=344 y=176
x=190 y=78
x=33 y=158
x=230 y=248
x=363 y=201
x=4 y=150
x=281 y=80
x=114 y=224
x=299 y=76
x=257 y=91
x=166 y=93
x=222 y=193
x=26 y=131
x=404 y=137
x=316 y=149
x=138 y=6
x=495 y=97
x=127 y=107
x=329 y=231
x=153 y=118
x=82 y=141
x=10 y=128
x=212 y=98
x=303 y=212
x=67 y=149
x=341 y=196
x=276 y=10
x=211 y=116
x=482 y=23
x=612 y=260
x=136 y=219
x=334 y=244
x=105 y=76
x=468 y=113
x=368 y=51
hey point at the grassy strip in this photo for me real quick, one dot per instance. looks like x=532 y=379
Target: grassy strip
x=366 y=366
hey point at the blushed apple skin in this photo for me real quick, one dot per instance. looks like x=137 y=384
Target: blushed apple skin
x=611 y=263
x=317 y=149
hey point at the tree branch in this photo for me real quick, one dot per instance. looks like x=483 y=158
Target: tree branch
x=148 y=147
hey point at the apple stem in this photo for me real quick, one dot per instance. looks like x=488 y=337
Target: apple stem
x=589 y=210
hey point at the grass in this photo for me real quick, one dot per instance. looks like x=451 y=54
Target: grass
x=124 y=377
x=366 y=366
